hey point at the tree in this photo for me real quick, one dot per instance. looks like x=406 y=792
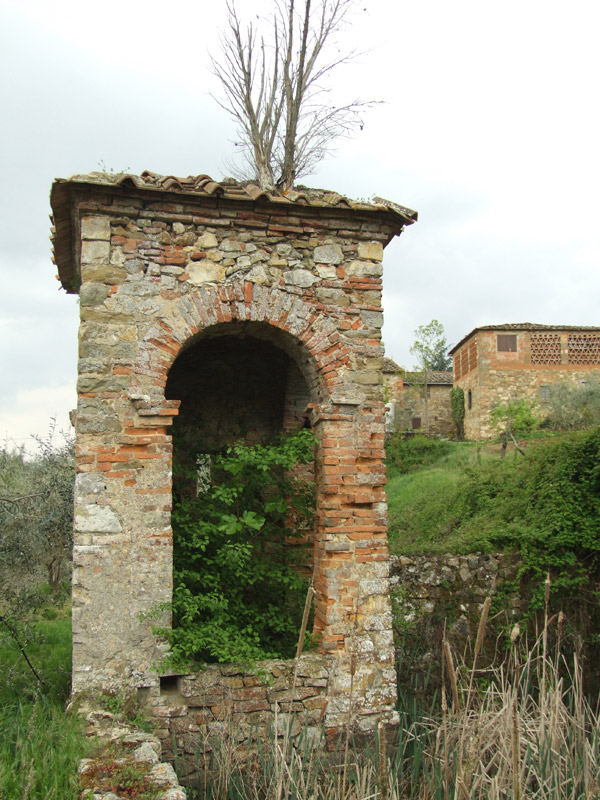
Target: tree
x=457 y=405
x=572 y=406
x=513 y=418
x=430 y=348
x=36 y=507
x=274 y=89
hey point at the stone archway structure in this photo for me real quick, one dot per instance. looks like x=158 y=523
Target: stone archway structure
x=160 y=263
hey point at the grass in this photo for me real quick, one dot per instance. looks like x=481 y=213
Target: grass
x=469 y=500
x=423 y=512
x=40 y=744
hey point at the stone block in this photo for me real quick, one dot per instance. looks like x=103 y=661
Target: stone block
x=92 y=294
x=205 y=271
x=299 y=277
x=371 y=250
x=95 y=228
x=95 y=252
x=328 y=254
x=96 y=519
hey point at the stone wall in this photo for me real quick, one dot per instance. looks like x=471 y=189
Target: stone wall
x=540 y=358
x=448 y=585
x=411 y=409
x=198 y=712
x=176 y=272
x=437 y=596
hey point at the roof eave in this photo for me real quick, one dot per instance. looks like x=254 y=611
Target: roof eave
x=66 y=224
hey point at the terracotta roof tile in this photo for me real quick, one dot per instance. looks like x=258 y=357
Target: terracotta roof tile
x=435 y=377
x=240 y=190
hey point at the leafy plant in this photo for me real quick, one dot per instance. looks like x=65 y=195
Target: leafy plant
x=514 y=418
x=572 y=406
x=457 y=405
x=238 y=593
x=36 y=506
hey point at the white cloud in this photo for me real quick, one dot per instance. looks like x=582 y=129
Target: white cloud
x=32 y=414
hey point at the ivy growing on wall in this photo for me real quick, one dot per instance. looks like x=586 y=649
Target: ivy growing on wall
x=238 y=593
x=457 y=403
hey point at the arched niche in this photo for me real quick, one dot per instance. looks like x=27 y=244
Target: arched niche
x=241 y=383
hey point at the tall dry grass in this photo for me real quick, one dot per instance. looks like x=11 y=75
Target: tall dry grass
x=521 y=730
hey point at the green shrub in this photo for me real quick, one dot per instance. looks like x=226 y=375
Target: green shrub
x=36 y=507
x=573 y=406
x=545 y=506
x=238 y=594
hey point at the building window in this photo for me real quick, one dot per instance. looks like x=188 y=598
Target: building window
x=465 y=360
x=507 y=342
x=544 y=393
x=469 y=399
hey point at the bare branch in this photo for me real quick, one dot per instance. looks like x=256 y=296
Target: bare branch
x=272 y=90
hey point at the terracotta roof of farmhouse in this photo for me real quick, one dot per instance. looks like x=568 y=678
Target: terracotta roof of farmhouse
x=524 y=326
x=437 y=377
x=319 y=201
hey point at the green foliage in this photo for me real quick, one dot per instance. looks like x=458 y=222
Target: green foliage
x=36 y=506
x=430 y=347
x=545 y=506
x=405 y=454
x=572 y=406
x=457 y=405
x=238 y=595
x=516 y=416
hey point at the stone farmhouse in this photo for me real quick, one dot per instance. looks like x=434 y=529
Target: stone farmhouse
x=497 y=363
x=417 y=402
x=249 y=313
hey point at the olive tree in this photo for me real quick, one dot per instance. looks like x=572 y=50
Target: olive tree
x=36 y=507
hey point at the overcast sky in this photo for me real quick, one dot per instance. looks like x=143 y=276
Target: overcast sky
x=490 y=129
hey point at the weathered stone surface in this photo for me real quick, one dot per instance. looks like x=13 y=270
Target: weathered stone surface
x=95 y=252
x=95 y=228
x=374 y=319
x=205 y=271
x=207 y=240
x=97 y=519
x=371 y=250
x=329 y=254
x=299 y=277
x=363 y=269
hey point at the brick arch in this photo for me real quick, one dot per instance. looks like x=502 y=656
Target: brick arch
x=306 y=334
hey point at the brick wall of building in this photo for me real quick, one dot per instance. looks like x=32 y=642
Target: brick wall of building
x=531 y=358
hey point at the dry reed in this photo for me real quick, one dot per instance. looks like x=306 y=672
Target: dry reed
x=522 y=730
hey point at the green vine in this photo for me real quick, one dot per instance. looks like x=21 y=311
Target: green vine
x=457 y=403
